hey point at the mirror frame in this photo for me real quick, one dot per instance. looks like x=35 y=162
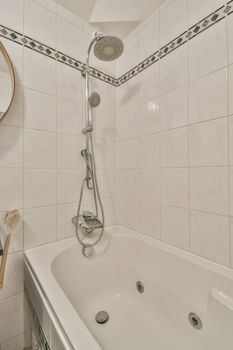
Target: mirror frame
x=12 y=74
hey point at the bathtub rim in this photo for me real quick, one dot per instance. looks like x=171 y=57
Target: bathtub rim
x=41 y=270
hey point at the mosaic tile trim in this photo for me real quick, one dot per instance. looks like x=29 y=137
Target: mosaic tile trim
x=192 y=32
x=54 y=54
x=39 y=331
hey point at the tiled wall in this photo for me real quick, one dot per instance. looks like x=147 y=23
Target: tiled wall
x=175 y=131
x=41 y=140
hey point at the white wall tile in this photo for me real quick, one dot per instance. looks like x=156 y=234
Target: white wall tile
x=209 y=189
x=39 y=226
x=230 y=38
x=148 y=151
x=69 y=83
x=147 y=116
x=174 y=109
x=69 y=151
x=51 y=5
x=174 y=148
x=175 y=226
x=170 y=78
x=230 y=91
x=174 y=187
x=199 y=9
x=11 y=189
x=208 y=97
x=39 y=187
x=149 y=185
x=70 y=16
x=128 y=154
x=65 y=212
x=173 y=21
x=39 y=110
x=40 y=23
x=148 y=83
x=209 y=236
x=208 y=51
x=147 y=43
x=11 y=320
x=149 y=219
x=70 y=117
x=39 y=149
x=37 y=69
x=68 y=185
x=128 y=183
x=69 y=39
x=231 y=139
x=11 y=147
x=208 y=143
x=11 y=14
x=231 y=191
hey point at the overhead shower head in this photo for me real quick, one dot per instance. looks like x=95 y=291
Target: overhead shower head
x=108 y=48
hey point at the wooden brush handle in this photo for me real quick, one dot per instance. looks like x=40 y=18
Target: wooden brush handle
x=4 y=260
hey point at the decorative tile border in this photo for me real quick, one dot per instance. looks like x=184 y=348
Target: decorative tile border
x=37 y=326
x=183 y=38
x=54 y=54
x=189 y=34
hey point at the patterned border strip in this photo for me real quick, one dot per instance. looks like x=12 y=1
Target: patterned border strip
x=39 y=331
x=191 y=33
x=54 y=54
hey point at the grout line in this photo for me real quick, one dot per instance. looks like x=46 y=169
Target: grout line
x=229 y=149
x=183 y=38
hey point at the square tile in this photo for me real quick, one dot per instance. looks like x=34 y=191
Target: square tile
x=208 y=143
x=39 y=187
x=199 y=9
x=174 y=148
x=175 y=226
x=174 y=187
x=37 y=69
x=11 y=147
x=170 y=78
x=39 y=149
x=209 y=236
x=173 y=21
x=39 y=110
x=208 y=51
x=39 y=226
x=40 y=23
x=208 y=97
x=12 y=14
x=174 y=109
x=209 y=189
x=11 y=189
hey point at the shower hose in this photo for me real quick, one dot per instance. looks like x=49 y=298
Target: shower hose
x=90 y=175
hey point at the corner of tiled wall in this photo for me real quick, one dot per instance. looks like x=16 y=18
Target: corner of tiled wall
x=175 y=131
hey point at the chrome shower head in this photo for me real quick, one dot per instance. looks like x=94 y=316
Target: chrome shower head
x=108 y=48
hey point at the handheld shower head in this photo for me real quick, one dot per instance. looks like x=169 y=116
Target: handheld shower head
x=108 y=48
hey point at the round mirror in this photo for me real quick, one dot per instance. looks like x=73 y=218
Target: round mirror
x=7 y=82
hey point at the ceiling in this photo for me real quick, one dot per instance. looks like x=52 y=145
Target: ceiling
x=115 y=17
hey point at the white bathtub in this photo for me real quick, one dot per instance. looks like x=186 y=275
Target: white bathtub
x=175 y=284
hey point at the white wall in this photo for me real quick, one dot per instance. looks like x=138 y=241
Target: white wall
x=40 y=142
x=175 y=135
